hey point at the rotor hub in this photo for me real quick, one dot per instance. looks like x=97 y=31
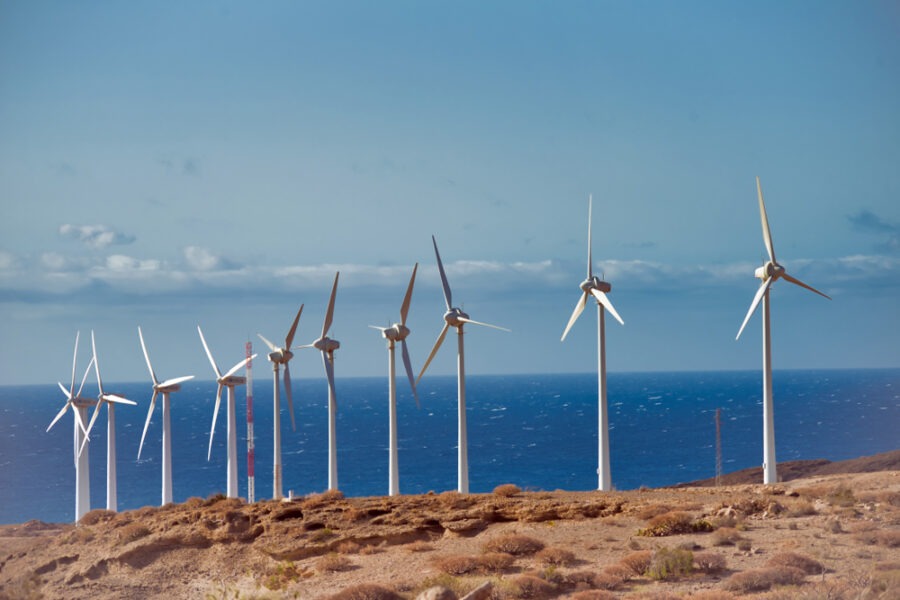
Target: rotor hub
x=595 y=283
x=326 y=344
x=454 y=316
x=232 y=380
x=396 y=332
x=281 y=356
x=770 y=270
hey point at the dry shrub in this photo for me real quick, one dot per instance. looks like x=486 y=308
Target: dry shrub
x=559 y=557
x=719 y=521
x=456 y=564
x=517 y=545
x=593 y=595
x=606 y=581
x=709 y=562
x=494 y=562
x=366 y=591
x=637 y=561
x=889 y=538
x=618 y=570
x=806 y=564
x=348 y=547
x=98 y=515
x=319 y=500
x=283 y=574
x=726 y=536
x=576 y=577
x=529 y=586
x=833 y=526
x=131 y=532
x=333 y=562
x=419 y=546
x=653 y=510
x=760 y=580
x=812 y=491
x=453 y=499
x=670 y=563
x=801 y=508
x=841 y=496
x=507 y=489
x=884 y=584
x=673 y=523
x=711 y=595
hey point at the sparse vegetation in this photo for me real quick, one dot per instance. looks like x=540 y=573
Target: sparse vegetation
x=556 y=556
x=517 y=545
x=419 y=546
x=366 y=591
x=726 y=536
x=507 y=490
x=709 y=562
x=806 y=564
x=333 y=562
x=131 y=532
x=760 y=580
x=841 y=496
x=674 y=523
x=670 y=563
x=529 y=586
x=638 y=561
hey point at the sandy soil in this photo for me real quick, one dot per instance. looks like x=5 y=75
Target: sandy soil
x=848 y=524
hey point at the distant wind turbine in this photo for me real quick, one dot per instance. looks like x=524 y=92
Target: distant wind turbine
x=165 y=388
x=110 y=400
x=397 y=332
x=229 y=380
x=594 y=286
x=770 y=272
x=79 y=407
x=281 y=356
x=454 y=317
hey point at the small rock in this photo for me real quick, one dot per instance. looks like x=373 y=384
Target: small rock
x=437 y=592
x=482 y=592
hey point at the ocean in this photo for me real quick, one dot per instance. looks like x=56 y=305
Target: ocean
x=537 y=431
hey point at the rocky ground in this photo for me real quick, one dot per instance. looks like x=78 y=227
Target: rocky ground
x=828 y=535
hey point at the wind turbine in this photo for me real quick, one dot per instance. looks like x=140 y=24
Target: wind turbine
x=327 y=346
x=228 y=380
x=110 y=400
x=165 y=388
x=79 y=407
x=281 y=356
x=770 y=272
x=397 y=333
x=594 y=286
x=454 y=317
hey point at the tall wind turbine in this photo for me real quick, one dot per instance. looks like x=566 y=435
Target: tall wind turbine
x=110 y=400
x=229 y=380
x=594 y=286
x=770 y=272
x=327 y=346
x=79 y=407
x=281 y=356
x=454 y=317
x=397 y=332
x=165 y=388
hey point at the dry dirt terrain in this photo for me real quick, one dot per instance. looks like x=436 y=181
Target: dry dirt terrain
x=832 y=535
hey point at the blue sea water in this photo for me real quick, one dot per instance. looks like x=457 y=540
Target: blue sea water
x=538 y=431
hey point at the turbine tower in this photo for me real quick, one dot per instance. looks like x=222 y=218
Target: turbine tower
x=110 y=400
x=397 y=332
x=229 y=380
x=165 y=388
x=281 y=356
x=770 y=272
x=79 y=407
x=594 y=286
x=454 y=317
x=327 y=346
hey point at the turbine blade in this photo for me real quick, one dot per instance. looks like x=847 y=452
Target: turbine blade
x=69 y=395
x=119 y=399
x=404 y=308
x=448 y=297
x=329 y=372
x=59 y=414
x=147 y=357
x=289 y=339
x=84 y=378
x=87 y=432
x=289 y=392
x=381 y=329
x=796 y=281
x=767 y=235
x=579 y=308
x=330 y=312
x=604 y=300
x=434 y=350
x=212 y=430
x=209 y=354
x=74 y=357
x=176 y=381
x=464 y=320
x=80 y=421
x=147 y=422
x=409 y=372
x=239 y=366
x=272 y=347
x=759 y=294
x=96 y=363
x=590 y=268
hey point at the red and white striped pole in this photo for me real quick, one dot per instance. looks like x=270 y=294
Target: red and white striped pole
x=251 y=485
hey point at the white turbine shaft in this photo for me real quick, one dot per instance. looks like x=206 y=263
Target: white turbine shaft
x=166 y=451
x=393 y=466
x=770 y=474
x=604 y=477
x=111 y=503
x=462 y=441
x=82 y=467
x=277 y=486
x=332 y=429
x=232 y=446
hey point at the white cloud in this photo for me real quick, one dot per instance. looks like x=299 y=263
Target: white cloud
x=95 y=236
x=7 y=260
x=201 y=259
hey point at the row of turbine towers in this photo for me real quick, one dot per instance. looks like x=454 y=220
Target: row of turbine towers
x=280 y=357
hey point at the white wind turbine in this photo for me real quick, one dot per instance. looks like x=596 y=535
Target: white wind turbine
x=454 y=317
x=79 y=407
x=770 y=272
x=397 y=332
x=228 y=380
x=165 y=388
x=327 y=346
x=281 y=356
x=594 y=286
x=110 y=400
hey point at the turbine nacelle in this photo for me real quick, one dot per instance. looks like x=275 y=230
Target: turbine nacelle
x=281 y=356
x=455 y=317
x=231 y=380
x=770 y=270
x=595 y=283
x=326 y=344
x=395 y=333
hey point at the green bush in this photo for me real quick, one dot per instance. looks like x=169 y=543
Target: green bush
x=670 y=563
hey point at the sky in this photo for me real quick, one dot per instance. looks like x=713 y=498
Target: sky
x=170 y=165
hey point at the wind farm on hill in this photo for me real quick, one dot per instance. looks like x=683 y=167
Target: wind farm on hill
x=280 y=357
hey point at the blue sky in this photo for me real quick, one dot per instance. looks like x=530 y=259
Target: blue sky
x=214 y=163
